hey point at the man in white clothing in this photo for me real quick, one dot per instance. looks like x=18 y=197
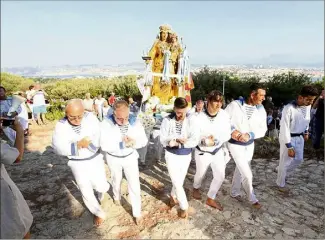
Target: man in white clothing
x=16 y=217
x=89 y=103
x=29 y=96
x=99 y=103
x=248 y=124
x=293 y=132
x=77 y=136
x=215 y=130
x=198 y=108
x=121 y=134
x=39 y=104
x=179 y=135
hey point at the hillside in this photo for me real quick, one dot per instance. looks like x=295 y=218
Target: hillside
x=48 y=186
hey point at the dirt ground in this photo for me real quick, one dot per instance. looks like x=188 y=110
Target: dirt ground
x=49 y=188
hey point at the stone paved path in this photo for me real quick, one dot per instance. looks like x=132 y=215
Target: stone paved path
x=48 y=186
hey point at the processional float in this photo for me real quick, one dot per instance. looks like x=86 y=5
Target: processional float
x=167 y=76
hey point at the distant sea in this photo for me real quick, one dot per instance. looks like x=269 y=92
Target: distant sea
x=314 y=79
x=67 y=76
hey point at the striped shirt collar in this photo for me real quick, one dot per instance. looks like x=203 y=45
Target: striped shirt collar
x=132 y=119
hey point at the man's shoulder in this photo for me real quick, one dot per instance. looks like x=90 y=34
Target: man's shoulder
x=91 y=117
x=223 y=113
x=234 y=104
x=62 y=120
x=197 y=115
x=108 y=121
x=290 y=105
x=168 y=118
x=61 y=123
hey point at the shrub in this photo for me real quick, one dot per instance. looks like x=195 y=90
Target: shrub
x=55 y=111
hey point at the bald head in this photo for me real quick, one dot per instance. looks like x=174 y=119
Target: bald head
x=74 y=111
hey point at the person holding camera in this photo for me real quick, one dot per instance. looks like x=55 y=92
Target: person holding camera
x=6 y=104
x=16 y=217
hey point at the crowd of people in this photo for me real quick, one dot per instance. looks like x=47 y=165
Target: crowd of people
x=210 y=134
x=102 y=107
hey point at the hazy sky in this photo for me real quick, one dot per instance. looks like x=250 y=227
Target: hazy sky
x=81 y=32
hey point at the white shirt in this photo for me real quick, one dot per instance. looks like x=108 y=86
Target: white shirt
x=99 y=103
x=105 y=110
x=66 y=136
x=254 y=125
x=88 y=104
x=294 y=119
x=189 y=131
x=29 y=94
x=218 y=126
x=39 y=99
x=111 y=136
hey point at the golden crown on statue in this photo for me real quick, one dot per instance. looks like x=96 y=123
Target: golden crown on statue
x=165 y=28
x=171 y=32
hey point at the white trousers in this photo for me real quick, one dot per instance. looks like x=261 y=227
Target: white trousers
x=177 y=166
x=90 y=175
x=131 y=170
x=143 y=151
x=287 y=165
x=217 y=163
x=243 y=175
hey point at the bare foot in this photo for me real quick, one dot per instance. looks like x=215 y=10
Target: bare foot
x=17 y=161
x=196 y=194
x=213 y=203
x=284 y=190
x=257 y=205
x=173 y=202
x=27 y=236
x=98 y=221
x=138 y=220
x=183 y=213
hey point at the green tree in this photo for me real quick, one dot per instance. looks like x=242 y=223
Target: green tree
x=13 y=83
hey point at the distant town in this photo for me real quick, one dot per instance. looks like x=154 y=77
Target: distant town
x=264 y=72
